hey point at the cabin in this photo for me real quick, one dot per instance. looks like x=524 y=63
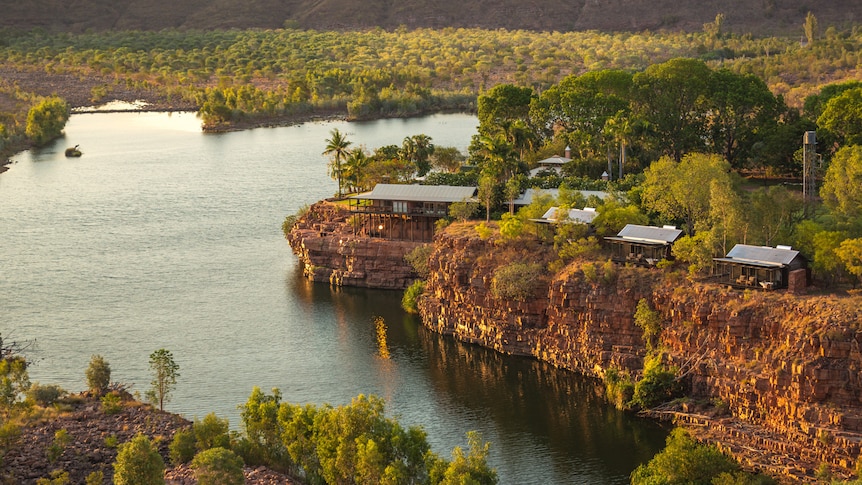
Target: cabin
x=758 y=266
x=404 y=212
x=643 y=245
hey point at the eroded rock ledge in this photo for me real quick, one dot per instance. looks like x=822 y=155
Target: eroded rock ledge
x=774 y=378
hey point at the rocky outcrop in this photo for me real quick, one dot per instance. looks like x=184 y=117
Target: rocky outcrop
x=323 y=240
x=774 y=378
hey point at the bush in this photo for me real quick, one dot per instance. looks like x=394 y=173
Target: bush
x=483 y=230
x=111 y=403
x=95 y=478
x=139 y=463
x=211 y=432
x=98 y=375
x=218 y=466
x=411 y=296
x=182 y=448
x=418 y=259
x=619 y=388
x=58 y=445
x=684 y=461
x=649 y=321
x=658 y=384
x=45 y=395
x=515 y=281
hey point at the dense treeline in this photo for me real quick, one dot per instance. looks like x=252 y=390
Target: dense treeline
x=258 y=75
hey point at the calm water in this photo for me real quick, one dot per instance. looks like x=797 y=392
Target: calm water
x=161 y=236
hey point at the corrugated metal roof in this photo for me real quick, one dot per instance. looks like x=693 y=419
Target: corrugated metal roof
x=575 y=215
x=418 y=193
x=761 y=254
x=649 y=233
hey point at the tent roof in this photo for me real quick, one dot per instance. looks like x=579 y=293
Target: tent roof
x=760 y=255
x=648 y=234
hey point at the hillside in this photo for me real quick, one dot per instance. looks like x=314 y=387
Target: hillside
x=761 y=17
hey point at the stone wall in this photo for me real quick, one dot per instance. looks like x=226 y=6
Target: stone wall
x=324 y=242
x=774 y=378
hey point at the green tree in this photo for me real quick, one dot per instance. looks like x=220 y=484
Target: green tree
x=218 y=466
x=810 y=28
x=850 y=253
x=471 y=467
x=165 y=373
x=843 y=116
x=649 y=321
x=842 y=185
x=684 y=462
x=14 y=378
x=580 y=107
x=740 y=106
x=354 y=169
x=671 y=98
x=682 y=190
x=502 y=105
x=98 y=375
x=211 y=432
x=448 y=159
x=770 y=214
x=182 y=448
x=46 y=120
x=337 y=147
x=417 y=149
x=139 y=463
x=487 y=193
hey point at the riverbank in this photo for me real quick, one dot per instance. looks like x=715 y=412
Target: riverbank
x=773 y=377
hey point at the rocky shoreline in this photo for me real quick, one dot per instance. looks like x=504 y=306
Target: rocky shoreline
x=94 y=438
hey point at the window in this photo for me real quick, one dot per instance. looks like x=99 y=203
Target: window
x=399 y=207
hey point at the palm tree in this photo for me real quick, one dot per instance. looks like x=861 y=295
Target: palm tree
x=355 y=165
x=336 y=146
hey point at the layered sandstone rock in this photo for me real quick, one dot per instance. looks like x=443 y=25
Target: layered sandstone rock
x=785 y=368
x=323 y=240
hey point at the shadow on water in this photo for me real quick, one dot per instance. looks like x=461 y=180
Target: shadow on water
x=529 y=407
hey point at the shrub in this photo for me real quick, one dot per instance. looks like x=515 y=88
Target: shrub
x=182 y=448
x=98 y=375
x=684 y=461
x=45 y=395
x=211 y=432
x=609 y=272
x=111 y=403
x=483 y=230
x=111 y=441
x=418 y=259
x=591 y=274
x=515 y=281
x=218 y=466
x=619 y=388
x=95 y=478
x=658 y=384
x=411 y=296
x=58 y=445
x=139 y=463
x=58 y=477
x=649 y=321
x=511 y=227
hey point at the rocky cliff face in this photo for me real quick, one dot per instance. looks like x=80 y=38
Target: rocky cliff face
x=780 y=374
x=323 y=240
x=774 y=378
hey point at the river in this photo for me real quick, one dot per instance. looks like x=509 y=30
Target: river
x=161 y=236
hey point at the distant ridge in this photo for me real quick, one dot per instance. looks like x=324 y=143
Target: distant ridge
x=759 y=17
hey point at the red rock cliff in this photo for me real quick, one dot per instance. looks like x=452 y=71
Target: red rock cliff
x=786 y=368
x=323 y=240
